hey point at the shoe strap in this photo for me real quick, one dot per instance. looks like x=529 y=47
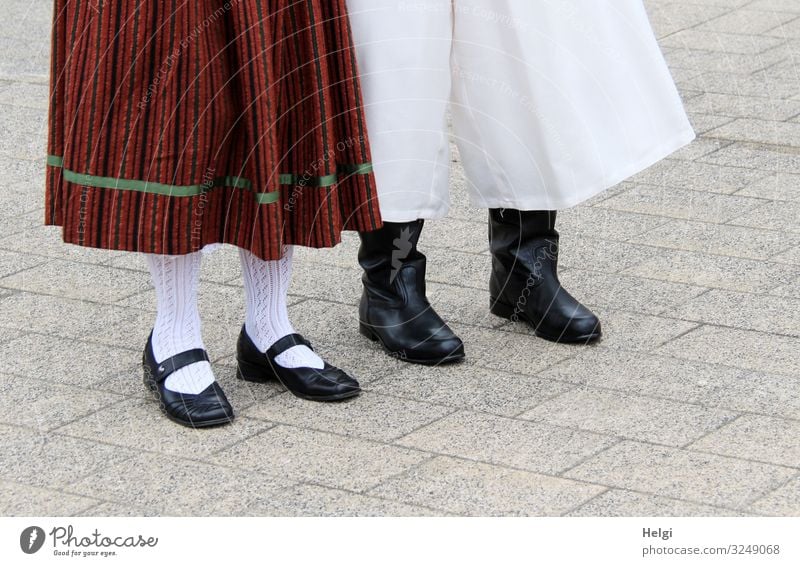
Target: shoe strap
x=288 y=341
x=171 y=365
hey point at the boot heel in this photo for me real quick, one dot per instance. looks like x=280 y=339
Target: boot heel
x=501 y=309
x=365 y=330
x=252 y=372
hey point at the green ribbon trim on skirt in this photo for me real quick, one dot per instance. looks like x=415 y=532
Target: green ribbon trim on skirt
x=195 y=190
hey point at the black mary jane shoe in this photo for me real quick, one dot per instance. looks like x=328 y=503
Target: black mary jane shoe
x=326 y=384
x=208 y=408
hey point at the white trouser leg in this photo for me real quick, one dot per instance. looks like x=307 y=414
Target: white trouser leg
x=404 y=59
x=556 y=101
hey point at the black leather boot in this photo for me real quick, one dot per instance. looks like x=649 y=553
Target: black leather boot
x=394 y=310
x=524 y=283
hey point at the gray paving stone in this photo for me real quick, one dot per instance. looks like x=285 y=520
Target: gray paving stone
x=759 y=131
x=17 y=224
x=623 y=503
x=705 y=384
x=318 y=501
x=668 y=18
x=78 y=281
x=28 y=95
x=344 y=255
x=778 y=186
x=777 y=215
x=140 y=425
x=458 y=268
x=681 y=203
x=710 y=63
x=113 y=509
x=749 y=22
x=743 y=155
x=8 y=334
x=735 y=274
x=636 y=294
x=13 y=262
x=703 y=123
x=791 y=256
x=598 y=254
x=51 y=460
x=591 y=222
x=640 y=332
x=25 y=128
x=20 y=500
x=722 y=42
x=180 y=487
x=46 y=241
x=791 y=289
x=779 y=5
x=467 y=385
x=738 y=348
x=692 y=476
x=719 y=80
x=755 y=437
x=370 y=415
x=788 y=29
x=461 y=304
x=513 y=349
x=743 y=310
x=320 y=457
x=718 y=239
x=47 y=405
x=700 y=147
x=63 y=360
x=699 y=176
x=629 y=416
x=477 y=489
x=65 y=317
x=326 y=282
x=736 y=106
x=527 y=445
x=784 y=501
x=472 y=237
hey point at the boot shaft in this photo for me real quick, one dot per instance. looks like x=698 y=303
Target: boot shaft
x=384 y=254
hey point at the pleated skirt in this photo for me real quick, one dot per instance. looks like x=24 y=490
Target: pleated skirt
x=176 y=124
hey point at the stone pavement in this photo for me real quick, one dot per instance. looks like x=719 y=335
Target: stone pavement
x=689 y=406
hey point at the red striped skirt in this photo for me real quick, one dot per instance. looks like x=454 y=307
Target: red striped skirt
x=175 y=124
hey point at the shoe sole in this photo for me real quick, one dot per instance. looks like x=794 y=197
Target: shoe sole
x=508 y=312
x=255 y=374
x=372 y=335
x=151 y=384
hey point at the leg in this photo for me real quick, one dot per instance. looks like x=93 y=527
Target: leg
x=524 y=283
x=269 y=347
x=175 y=362
x=177 y=326
x=266 y=286
x=403 y=51
x=394 y=310
x=404 y=59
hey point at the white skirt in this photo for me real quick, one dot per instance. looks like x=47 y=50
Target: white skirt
x=551 y=101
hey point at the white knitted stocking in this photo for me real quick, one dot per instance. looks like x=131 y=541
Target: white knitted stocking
x=177 y=326
x=266 y=284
